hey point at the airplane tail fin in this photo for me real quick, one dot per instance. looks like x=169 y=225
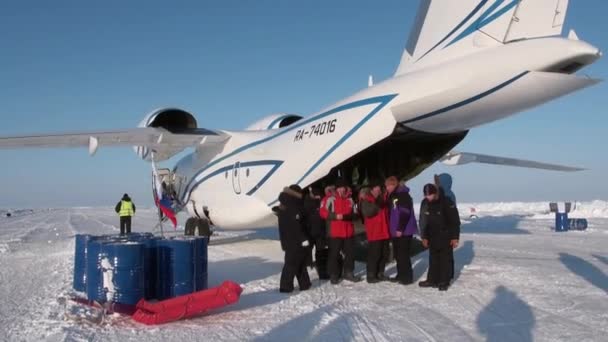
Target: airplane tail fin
x=447 y=29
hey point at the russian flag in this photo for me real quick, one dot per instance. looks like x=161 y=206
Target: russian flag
x=164 y=204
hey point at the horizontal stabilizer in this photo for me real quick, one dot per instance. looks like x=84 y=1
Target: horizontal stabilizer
x=461 y=158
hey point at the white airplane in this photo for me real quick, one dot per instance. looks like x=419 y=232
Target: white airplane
x=467 y=63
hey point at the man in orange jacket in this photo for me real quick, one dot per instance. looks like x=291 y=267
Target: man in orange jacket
x=338 y=211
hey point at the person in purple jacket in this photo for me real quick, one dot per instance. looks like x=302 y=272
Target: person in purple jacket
x=402 y=226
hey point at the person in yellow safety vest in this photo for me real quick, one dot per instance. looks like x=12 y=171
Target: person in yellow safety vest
x=125 y=209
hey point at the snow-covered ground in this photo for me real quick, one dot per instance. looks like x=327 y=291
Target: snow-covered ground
x=516 y=281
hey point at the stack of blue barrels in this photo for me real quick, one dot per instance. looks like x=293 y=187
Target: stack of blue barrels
x=125 y=269
x=182 y=266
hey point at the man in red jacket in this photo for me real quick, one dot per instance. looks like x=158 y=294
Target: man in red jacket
x=338 y=210
x=374 y=211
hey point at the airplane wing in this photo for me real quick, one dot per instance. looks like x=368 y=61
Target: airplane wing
x=448 y=29
x=461 y=158
x=162 y=142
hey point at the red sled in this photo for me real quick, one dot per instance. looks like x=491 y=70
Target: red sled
x=187 y=306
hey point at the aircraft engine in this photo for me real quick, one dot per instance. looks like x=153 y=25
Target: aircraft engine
x=274 y=121
x=174 y=120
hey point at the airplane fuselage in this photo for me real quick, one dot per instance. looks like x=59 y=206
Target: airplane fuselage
x=239 y=184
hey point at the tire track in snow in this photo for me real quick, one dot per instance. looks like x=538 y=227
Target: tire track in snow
x=33 y=277
x=105 y=228
x=15 y=230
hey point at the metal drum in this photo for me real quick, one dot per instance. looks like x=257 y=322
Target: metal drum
x=201 y=278
x=80 y=262
x=150 y=266
x=94 y=284
x=123 y=278
x=578 y=224
x=175 y=268
x=561 y=222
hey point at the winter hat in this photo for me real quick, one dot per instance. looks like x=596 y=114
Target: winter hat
x=296 y=188
x=429 y=189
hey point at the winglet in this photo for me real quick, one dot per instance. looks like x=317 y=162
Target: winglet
x=572 y=35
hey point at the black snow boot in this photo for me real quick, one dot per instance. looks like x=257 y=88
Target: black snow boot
x=427 y=283
x=372 y=280
x=382 y=277
x=351 y=277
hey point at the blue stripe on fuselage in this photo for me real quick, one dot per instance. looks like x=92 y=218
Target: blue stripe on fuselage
x=382 y=100
x=467 y=101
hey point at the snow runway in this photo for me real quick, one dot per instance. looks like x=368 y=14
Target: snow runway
x=516 y=281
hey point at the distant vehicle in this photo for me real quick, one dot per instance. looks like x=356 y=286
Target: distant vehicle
x=467 y=63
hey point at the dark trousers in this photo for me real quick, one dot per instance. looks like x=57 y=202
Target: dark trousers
x=193 y=224
x=295 y=267
x=452 y=263
x=441 y=265
x=346 y=247
x=401 y=250
x=321 y=257
x=125 y=225
x=377 y=257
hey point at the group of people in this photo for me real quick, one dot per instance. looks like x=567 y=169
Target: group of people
x=325 y=221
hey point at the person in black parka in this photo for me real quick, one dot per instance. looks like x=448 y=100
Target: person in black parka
x=294 y=240
x=444 y=184
x=440 y=229
x=317 y=230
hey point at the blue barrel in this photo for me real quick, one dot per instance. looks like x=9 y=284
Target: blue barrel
x=561 y=222
x=578 y=224
x=80 y=262
x=127 y=271
x=201 y=277
x=175 y=260
x=150 y=266
x=94 y=285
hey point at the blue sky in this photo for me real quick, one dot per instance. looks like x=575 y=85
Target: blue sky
x=71 y=65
